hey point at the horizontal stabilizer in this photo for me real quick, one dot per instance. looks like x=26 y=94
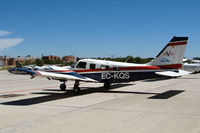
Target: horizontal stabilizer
x=173 y=74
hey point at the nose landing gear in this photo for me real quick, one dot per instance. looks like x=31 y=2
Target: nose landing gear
x=76 y=88
x=63 y=87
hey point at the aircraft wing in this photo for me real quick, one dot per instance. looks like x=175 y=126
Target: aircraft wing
x=57 y=75
x=71 y=75
x=173 y=74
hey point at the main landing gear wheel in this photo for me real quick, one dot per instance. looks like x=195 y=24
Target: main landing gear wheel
x=63 y=87
x=76 y=88
x=106 y=85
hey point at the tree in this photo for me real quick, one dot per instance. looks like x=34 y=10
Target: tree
x=27 y=62
x=39 y=62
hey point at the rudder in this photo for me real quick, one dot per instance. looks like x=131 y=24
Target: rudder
x=172 y=54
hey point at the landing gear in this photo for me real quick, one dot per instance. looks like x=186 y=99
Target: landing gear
x=63 y=87
x=76 y=88
x=106 y=85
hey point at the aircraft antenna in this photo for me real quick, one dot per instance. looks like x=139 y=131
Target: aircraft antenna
x=127 y=59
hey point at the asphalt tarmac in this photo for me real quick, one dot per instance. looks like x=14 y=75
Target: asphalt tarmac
x=149 y=106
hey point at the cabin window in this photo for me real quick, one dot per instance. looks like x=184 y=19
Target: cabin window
x=81 y=65
x=92 y=66
x=115 y=68
x=104 y=67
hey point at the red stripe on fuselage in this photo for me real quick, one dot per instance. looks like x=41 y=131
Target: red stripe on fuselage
x=174 y=66
x=177 y=43
x=93 y=70
x=140 y=68
x=60 y=71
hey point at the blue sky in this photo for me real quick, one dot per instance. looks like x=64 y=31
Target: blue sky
x=97 y=28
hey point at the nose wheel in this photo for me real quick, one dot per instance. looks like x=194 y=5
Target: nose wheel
x=63 y=87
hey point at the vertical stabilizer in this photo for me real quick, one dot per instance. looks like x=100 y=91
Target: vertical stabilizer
x=18 y=65
x=172 y=54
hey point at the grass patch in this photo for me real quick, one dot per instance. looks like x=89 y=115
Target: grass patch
x=5 y=67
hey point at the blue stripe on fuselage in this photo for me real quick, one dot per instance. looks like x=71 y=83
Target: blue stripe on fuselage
x=121 y=77
x=72 y=74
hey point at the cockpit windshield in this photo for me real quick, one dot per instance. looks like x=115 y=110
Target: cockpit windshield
x=81 y=65
x=73 y=65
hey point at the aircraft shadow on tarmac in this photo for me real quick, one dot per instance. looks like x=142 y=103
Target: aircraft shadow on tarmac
x=51 y=96
x=166 y=78
x=187 y=78
x=156 y=79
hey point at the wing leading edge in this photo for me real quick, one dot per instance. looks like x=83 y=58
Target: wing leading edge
x=67 y=76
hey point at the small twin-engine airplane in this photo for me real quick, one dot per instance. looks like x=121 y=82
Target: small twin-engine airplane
x=167 y=63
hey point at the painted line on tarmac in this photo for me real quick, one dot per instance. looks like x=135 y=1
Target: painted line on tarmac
x=7 y=92
x=24 y=90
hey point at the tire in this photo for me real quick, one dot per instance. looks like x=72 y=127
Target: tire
x=62 y=87
x=77 y=90
x=106 y=85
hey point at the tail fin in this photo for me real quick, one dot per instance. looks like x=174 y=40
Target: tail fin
x=18 y=65
x=172 y=55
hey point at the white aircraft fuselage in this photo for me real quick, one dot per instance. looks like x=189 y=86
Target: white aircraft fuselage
x=194 y=66
x=166 y=63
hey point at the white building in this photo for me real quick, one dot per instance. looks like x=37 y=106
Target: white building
x=1 y=63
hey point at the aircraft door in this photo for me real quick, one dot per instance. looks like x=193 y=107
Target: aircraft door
x=106 y=75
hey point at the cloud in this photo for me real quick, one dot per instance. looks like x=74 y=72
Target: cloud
x=9 y=42
x=4 y=33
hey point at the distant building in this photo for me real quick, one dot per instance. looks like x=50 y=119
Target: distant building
x=10 y=61
x=69 y=59
x=1 y=63
x=50 y=57
x=30 y=59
